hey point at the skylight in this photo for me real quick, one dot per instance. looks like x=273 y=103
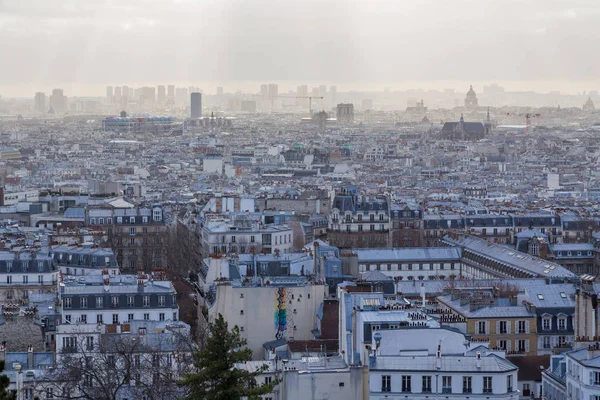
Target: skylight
x=541 y=296
x=563 y=295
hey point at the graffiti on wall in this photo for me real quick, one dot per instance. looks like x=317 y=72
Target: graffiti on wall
x=280 y=313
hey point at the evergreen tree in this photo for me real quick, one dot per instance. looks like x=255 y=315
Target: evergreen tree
x=215 y=377
x=4 y=383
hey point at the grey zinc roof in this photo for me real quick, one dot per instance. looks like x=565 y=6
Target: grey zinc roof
x=407 y=254
x=556 y=295
x=490 y=363
x=516 y=259
x=487 y=311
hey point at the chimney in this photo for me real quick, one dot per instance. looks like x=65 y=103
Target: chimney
x=423 y=293
x=478 y=360
x=30 y=357
x=594 y=313
x=438 y=357
x=3 y=351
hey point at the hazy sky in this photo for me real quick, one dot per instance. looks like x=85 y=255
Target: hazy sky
x=52 y=43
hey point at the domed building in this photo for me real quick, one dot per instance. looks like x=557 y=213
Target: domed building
x=471 y=102
x=589 y=105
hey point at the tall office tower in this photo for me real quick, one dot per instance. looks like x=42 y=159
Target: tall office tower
x=117 y=95
x=195 y=105
x=162 y=95
x=125 y=96
x=322 y=90
x=273 y=91
x=58 y=101
x=171 y=92
x=181 y=96
x=220 y=91
x=148 y=97
x=40 y=102
x=314 y=92
x=302 y=91
x=109 y=94
x=264 y=91
x=332 y=93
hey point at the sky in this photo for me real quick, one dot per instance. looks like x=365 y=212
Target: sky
x=82 y=45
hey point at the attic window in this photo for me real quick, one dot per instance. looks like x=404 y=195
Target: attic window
x=540 y=296
x=563 y=295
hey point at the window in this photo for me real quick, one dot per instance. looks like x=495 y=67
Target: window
x=562 y=340
x=146 y=317
x=446 y=384
x=546 y=324
x=8 y=266
x=406 y=384
x=386 y=383
x=115 y=301
x=89 y=343
x=487 y=384
x=49 y=393
x=562 y=323
x=9 y=279
x=521 y=346
x=522 y=325
x=132 y=241
x=130 y=301
x=509 y=383
x=99 y=319
x=161 y=300
x=546 y=342
x=68 y=319
x=371 y=227
x=526 y=389
x=251 y=239
x=501 y=344
x=268 y=380
x=40 y=266
x=426 y=384
x=83 y=319
x=115 y=318
x=596 y=379
x=132 y=231
x=146 y=301
x=99 y=302
x=83 y=302
x=482 y=327
x=467 y=384
x=130 y=317
x=503 y=329
x=25 y=279
x=68 y=302
x=161 y=316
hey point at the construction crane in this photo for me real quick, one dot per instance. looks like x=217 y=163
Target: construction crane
x=310 y=98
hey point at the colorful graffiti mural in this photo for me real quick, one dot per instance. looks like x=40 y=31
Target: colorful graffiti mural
x=280 y=313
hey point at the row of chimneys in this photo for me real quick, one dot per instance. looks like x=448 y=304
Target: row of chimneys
x=3 y=351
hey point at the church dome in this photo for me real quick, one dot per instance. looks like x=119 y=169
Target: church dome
x=471 y=92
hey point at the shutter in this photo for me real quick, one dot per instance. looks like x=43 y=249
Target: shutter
x=527 y=346
x=497 y=327
x=508 y=323
x=487 y=327
x=554 y=341
x=508 y=345
x=591 y=378
x=526 y=326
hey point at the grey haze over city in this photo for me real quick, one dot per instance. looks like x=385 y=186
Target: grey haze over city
x=299 y=200
x=533 y=45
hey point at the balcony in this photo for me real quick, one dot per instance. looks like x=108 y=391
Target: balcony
x=446 y=390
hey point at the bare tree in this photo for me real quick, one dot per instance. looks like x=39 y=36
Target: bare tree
x=132 y=365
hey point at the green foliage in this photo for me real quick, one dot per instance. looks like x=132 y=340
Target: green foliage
x=215 y=377
x=4 y=383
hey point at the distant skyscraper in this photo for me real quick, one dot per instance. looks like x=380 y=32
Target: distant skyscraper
x=302 y=90
x=117 y=94
x=195 y=105
x=322 y=90
x=40 y=102
x=273 y=91
x=264 y=91
x=162 y=95
x=181 y=96
x=332 y=93
x=109 y=94
x=220 y=91
x=171 y=92
x=58 y=101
